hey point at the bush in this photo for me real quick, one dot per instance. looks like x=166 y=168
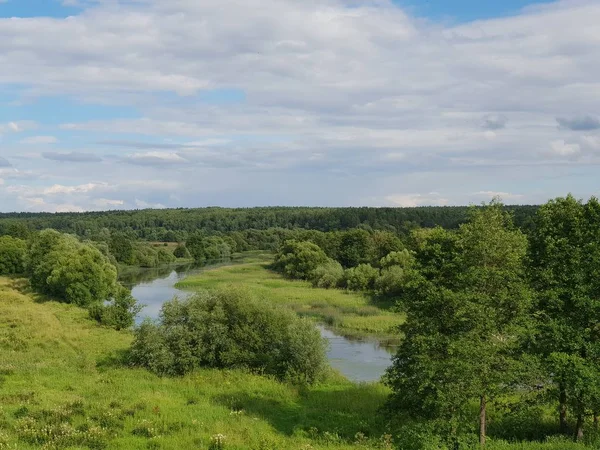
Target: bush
x=61 y=266
x=361 y=277
x=403 y=258
x=328 y=275
x=299 y=259
x=119 y=313
x=181 y=251
x=229 y=329
x=12 y=255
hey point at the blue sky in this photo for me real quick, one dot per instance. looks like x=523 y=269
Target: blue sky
x=324 y=102
x=458 y=10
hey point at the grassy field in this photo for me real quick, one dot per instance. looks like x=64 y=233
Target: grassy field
x=62 y=385
x=350 y=313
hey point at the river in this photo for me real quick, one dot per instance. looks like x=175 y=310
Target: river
x=357 y=360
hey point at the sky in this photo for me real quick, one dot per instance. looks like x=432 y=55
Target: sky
x=131 y=104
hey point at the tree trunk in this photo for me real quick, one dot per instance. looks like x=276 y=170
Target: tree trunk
x=579 y=433
x=482 y=421
x=562 y=409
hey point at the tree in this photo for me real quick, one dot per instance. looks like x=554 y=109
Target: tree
x=361 y=277
x=355 y=248
x=230 y=329
x=328 y=275
x=12 y=255
x=119 y=313
x=466 y=318
x=61 y=266
x=384 y=243
x=565 y=267
x=299 y=259
x=181 y=251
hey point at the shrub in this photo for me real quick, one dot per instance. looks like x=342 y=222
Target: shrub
x=119 y=313
x=328 y=275
x=403 y=258
x=299 y=259
x=229 y=329
x=361 y=277
x=181 y=251
x=393 y=280
x=61 y=266
x=12 y=255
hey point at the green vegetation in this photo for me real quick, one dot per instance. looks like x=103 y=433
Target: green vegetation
x=12 y=255
x=174 y=225
x=497 y=324
x=63 y=386
x=351 y=313
x=61 y=266
x=229 y=329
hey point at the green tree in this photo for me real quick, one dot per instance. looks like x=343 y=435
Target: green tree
x=299 y=259
x=61 y=266
x=565 y=268
x=466 y=318
x=328 y=275
x=230 y=329
x=361 y=277
x=12 y=255
x=356 y=247
x=181 y=251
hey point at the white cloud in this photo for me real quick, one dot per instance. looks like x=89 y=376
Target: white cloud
x=367 y=96
x=39 y=140
x=413 y=200
x=562 y=148
x=504 y=196
x=141 y=204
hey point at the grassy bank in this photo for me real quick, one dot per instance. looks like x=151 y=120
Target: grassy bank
x=350 y=313
x=61 y=384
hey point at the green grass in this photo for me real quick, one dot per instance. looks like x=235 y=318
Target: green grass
x=61 y=383
x=350 y=313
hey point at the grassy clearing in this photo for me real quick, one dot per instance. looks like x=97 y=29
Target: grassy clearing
x=62 y=385
x=350 y=313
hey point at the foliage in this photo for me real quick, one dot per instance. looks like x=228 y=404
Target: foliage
x=299 y=259
x=203 y=248
x=361 y=277
x=12 y=255
x=465 y=322
x=355 y=247
x=328 y=275
x=230 y=329
x=61 y=266
x=119 y=313
x=565 y=268
x=181 y=251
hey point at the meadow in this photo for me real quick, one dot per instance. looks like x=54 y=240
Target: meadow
x=63 y=384
x=348 y=313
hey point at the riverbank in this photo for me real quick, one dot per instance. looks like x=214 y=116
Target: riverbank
x=351 y=314
x=63 y=384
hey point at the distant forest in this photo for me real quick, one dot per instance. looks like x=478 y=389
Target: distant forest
x=175 y=224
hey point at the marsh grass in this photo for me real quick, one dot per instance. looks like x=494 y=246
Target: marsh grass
x=349 y=313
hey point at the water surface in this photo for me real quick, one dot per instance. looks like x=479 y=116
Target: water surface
x=357 y=360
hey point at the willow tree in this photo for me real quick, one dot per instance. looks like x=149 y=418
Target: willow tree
x=466 y=316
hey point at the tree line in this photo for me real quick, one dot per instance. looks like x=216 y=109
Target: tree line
x=174 y=225
x=494 y=317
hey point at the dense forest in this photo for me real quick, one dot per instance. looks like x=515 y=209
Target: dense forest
x=172 y=225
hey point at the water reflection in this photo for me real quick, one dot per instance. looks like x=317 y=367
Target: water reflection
x=357 y=360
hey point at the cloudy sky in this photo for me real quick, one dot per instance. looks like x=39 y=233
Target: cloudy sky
x=111 y=104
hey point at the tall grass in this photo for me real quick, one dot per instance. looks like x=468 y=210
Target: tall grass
x=351 y=313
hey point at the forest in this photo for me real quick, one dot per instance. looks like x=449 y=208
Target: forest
x=495 y=308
